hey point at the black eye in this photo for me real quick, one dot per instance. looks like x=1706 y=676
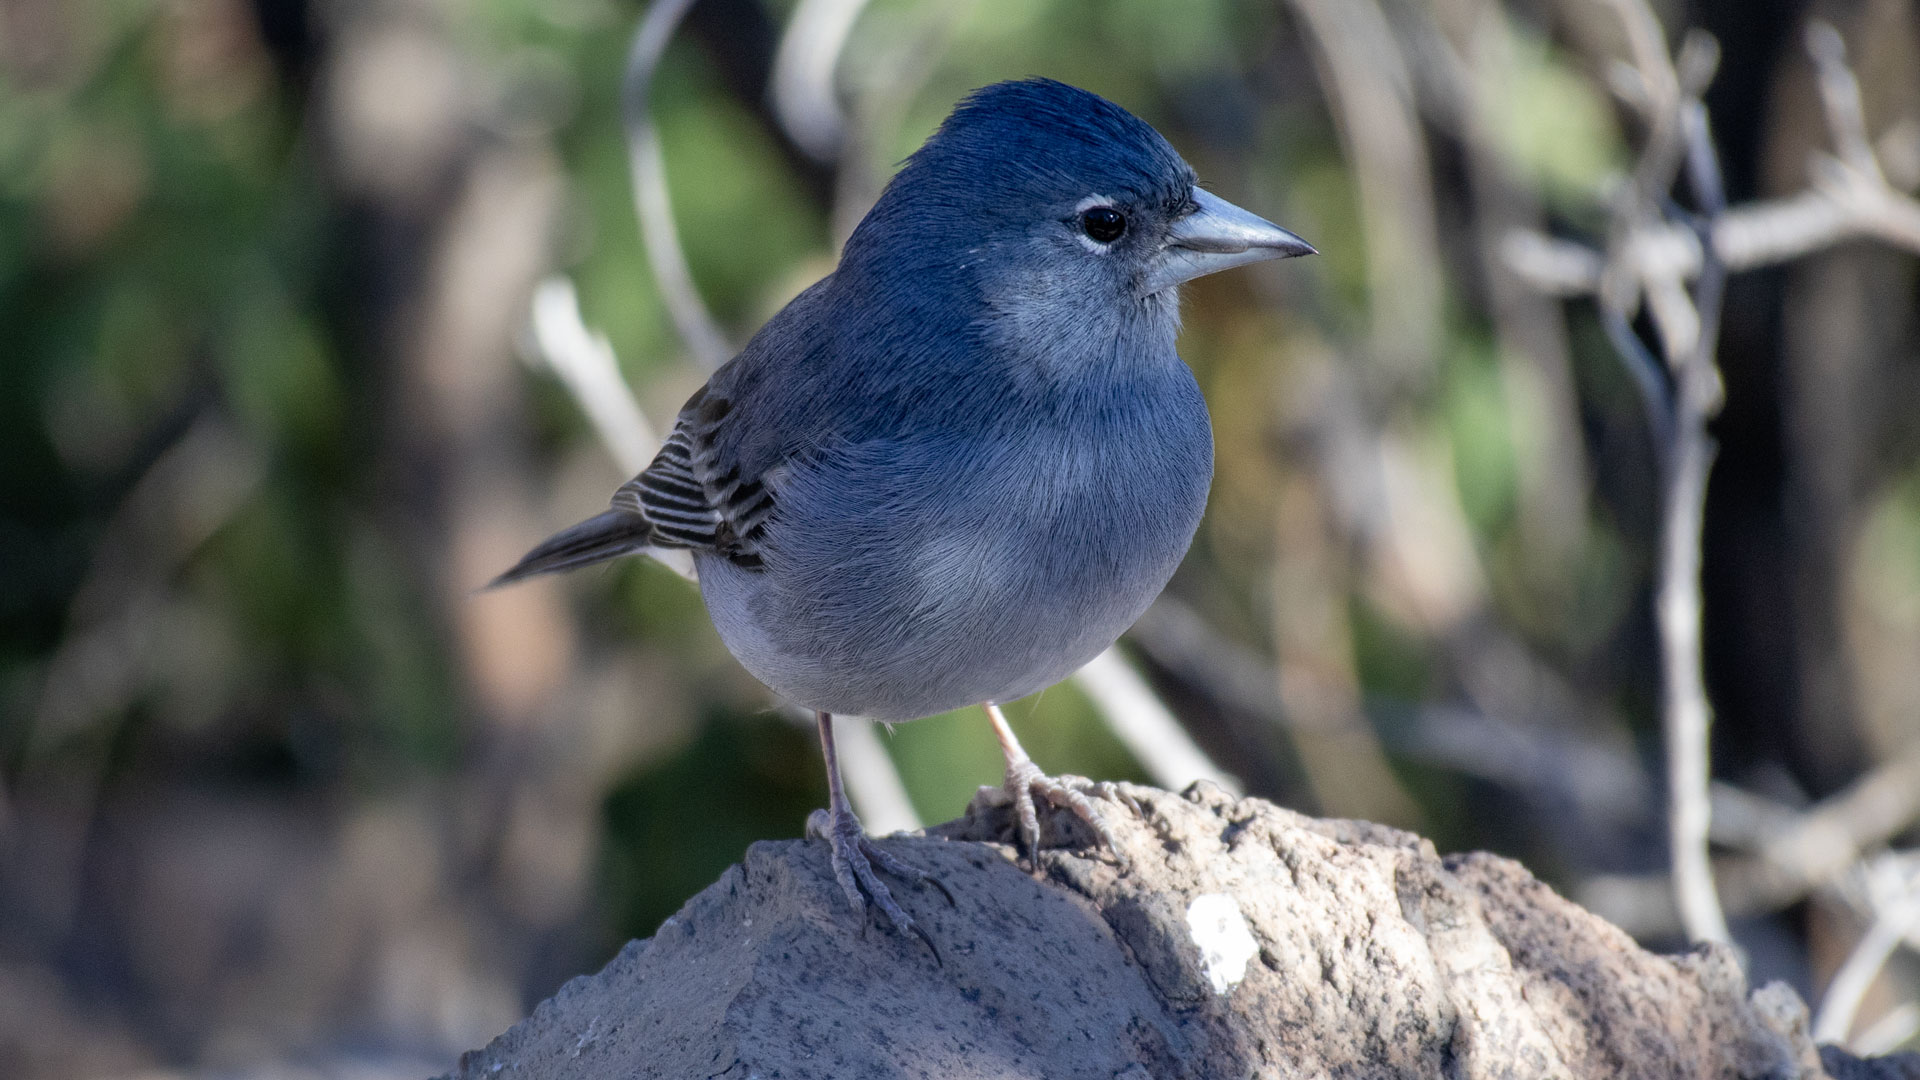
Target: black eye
x=1103 y=223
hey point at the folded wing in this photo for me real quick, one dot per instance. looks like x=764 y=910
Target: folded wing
x=686 y=498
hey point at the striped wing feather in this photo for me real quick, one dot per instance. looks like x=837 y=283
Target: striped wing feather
x=691 y=501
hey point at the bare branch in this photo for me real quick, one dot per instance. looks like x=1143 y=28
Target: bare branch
x=1367 y=81
x=1840 y=94
x=584 y=361
x=1850 y=197
x=1889 y=1033
x=804 y=96
x=1680 y=400
x=651 y=203
x=1651 y=72
x=1151 y=734
x=1687 y=714
x=1834 y=833
x=1791 y=854
x=1896 y=916
x=873 y=783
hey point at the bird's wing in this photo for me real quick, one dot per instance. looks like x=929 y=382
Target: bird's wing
x=792 y=396
x=694 y=495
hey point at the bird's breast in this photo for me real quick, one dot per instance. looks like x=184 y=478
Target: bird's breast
x=907 y=576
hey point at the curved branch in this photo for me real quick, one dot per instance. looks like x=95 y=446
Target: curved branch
x=651 y=203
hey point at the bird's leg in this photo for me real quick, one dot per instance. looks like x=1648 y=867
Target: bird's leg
x=1025 y=780
x=855 y=855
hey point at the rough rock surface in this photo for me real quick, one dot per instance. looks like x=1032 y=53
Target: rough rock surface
x=1243 y=941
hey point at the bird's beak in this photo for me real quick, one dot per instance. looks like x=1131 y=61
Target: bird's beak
x=1215 y=237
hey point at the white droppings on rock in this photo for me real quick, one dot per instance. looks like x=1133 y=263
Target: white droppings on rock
x=1225 y=943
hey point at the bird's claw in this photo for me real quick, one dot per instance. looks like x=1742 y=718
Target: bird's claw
x=855 y=857
x=1113 y=792
x=1025 y=780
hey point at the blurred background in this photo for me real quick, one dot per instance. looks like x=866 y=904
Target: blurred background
x=280 y=795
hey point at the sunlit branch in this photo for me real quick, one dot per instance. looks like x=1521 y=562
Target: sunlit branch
x=658 y=233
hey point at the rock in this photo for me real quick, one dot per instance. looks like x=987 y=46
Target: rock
x=1243 y=940
x=1844 y=1066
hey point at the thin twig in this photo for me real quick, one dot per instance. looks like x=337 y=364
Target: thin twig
x=1679 y=603
x=1833 y=835
x=1840 y=97
x=1146 y=727
x=1850 y=196
x=1649 y=379
x=803 y=92
x=1896 y=918
x=658 y=233
x=1684 y=694
x=584 y=361
x=1366 y=79
x=1791 y=854
x=1889 y=1033
x=879 y=795
x=1680 y=401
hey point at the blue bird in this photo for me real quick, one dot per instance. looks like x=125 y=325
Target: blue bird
x=960 y=466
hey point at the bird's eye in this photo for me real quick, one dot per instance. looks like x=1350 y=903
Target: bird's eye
x=1103 y=224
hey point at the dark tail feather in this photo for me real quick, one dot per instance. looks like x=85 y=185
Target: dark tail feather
x=597 y=539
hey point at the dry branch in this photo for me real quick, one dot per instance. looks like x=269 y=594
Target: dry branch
x=658 y=234
x=1651 y=255
x=1787 y=854
x=1895 y=900
x=1653 y=252
x=1681 y=397
x=1853 y=194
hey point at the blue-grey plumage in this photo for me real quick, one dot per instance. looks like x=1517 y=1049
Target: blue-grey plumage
x=911 y=575
x=961 y=465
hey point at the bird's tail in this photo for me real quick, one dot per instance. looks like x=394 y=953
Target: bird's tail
x=597 y=539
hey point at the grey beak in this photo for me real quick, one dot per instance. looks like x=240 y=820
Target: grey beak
x=1215 y=237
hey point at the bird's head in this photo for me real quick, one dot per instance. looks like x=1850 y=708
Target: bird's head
x=1037 y=185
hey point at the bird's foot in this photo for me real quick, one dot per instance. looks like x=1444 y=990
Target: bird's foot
x=1025 y=781
x=855 y=857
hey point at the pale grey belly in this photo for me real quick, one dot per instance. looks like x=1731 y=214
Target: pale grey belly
x=948 y=616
